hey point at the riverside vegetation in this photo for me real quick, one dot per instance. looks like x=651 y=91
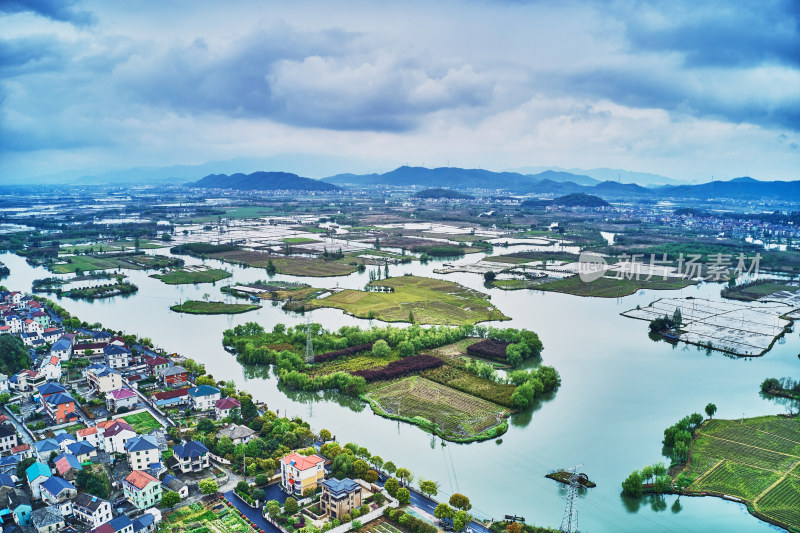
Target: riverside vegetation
x=420 y=375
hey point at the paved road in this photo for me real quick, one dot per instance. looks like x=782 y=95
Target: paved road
x=253 y=514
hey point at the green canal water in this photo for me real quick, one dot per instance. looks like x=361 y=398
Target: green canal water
x=619 y=391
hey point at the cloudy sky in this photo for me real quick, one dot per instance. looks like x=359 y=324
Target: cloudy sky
x=684 y=89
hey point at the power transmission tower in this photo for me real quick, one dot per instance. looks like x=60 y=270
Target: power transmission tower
x=569 y=523
x=309 y=342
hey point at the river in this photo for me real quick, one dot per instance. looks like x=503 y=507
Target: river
x=619 y=391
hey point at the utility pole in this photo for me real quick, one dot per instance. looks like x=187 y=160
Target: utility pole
x=569 y=523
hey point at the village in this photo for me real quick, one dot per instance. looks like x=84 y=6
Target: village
x=104 y=434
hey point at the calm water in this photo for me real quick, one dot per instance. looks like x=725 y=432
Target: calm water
x=620 y=390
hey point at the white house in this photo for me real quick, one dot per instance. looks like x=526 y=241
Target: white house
x=91 y=510
x=204 y=397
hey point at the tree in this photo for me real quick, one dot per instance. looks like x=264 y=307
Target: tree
x=405 y=475
x=459 y=501
x=403 y=496
x=647 y=472
x=659 y=469
x=261 y=480
x=376 y=461
x=360 y=468
x=206 y=426
x=428 y=487
x=208 y=486
x=271 y=270
x=682 y=481
x=273 y=508
x=13 y=355
x=514 y=527
x=258 y=494
x=632 y=486
x=170 y=499
x=324 y=435
x=381 y=348
x=248 y=408
x=489 y=277
x=677 y=317
x=710 y=410
x=379 y=498
x=371 y=476
x=410 y=317
x=680 y=452
x=243 y=486
x=290 y=505
x=391 y=486
x=390 y=467
x=461 y=519
x=405 y=349
x=356 y=525
x=443 y=511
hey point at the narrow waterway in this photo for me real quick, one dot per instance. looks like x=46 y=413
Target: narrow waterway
x=620 y=390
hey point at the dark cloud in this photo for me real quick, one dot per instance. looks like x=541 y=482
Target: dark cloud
x=61 y=10
x=663 y=90
x=330 y=79
x=718 y=33
x=30 y=54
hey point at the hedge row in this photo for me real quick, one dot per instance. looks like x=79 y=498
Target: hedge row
x=352 y=350
x=489 y=348
x=399 y=368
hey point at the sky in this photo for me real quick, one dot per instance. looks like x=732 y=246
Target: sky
x=680 y=88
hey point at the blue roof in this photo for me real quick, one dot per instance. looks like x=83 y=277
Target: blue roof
x=113 y=349
x=121 y=522
x=6 y=481
x=36 y=470
x=10 y=460
x=168 y=478
x=58 y=399
x=47 y=445
x=61 y=344
x=143 y=521
x=341 y=486
x=61 y=437
x=141 y=443
x=203 y=390
x=80 y=448
x=50 y=388
x=71 y=459
x=55 y=485
x=193 y=448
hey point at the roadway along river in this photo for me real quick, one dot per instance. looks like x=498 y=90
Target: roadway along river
x=620 y=390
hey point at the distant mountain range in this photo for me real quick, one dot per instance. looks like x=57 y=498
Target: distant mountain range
x=263 y=181
x=608 y=174
x=559 y=183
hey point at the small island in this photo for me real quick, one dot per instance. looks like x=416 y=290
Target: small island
x=193 y=274
x=563 y=476
x=201 y=307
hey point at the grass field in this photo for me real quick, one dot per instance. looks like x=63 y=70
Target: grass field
x=195 y=517
x=431 y=301
x=754 y=292
x=454 y=414
x=602 y=287
x=298 y=240
x=756 y=460
x=296 y=266
x=87 y=263
x=199 y=307
x=142 y=422
x=183 y=276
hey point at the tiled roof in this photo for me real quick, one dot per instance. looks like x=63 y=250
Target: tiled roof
x=36 y=470
x=341 y=486
x=121 y=394
x=302 y=462
x=46 y=516
x=81 y=448
x=56 y=485
x=227 y=403
x=203 y=390
x=117 y=427
x=191 y=449
x=50 y=388
x=88 y=501
x=141 y=443
x=168 y=395
x=59 y=399
x=172 y=371
x=65 y=462
x=140 y=479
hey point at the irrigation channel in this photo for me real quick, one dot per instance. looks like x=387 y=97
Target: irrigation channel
x=620 y=390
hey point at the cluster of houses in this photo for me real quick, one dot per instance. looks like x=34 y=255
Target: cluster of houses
x=44 y=496
x=44 y=470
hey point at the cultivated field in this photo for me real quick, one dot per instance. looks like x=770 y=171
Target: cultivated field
x=755 y=461
x=86 y=263
x=142 y=422
x=296 y=266
x=469 y=383
x=455 y=414
x=611 y=287
x=431 y=301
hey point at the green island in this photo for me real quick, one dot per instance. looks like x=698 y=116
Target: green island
x=55 y=285
x=754 y=290
x=294 y=294
x=114 y=261
x=436 y=378
x=201 y=307
x=186 y=275
x=414 y=299
x=785 y=387
x=754 y=461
